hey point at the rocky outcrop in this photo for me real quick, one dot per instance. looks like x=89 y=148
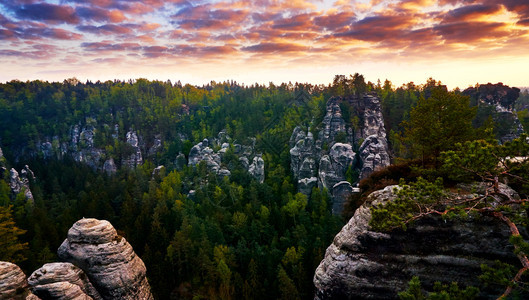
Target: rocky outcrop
x=13 y=284
x=20 y=183
x=303 y=156
x=107 y=259
x=81 y=145
x=501 y=98
x=374 y=155
x=203 y=151
x=62 y=281
x=256 y=169
x=332 y=158
x=135 y=158
x=332 y=123
x=364 y=264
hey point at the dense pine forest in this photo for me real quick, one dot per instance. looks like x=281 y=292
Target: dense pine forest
x=201 y=235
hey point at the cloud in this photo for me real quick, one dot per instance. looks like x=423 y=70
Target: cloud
x=100 y=14
x=335 y=21
x=48 y=12
x=466 y=13
x=378 y=28
x=105 y=29
x=51 y=33
x=466 y=32
x=297 y=22
x=108 y=46
x=7 y=34
x=275 y=48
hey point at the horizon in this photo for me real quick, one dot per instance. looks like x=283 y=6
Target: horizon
x=458 y=42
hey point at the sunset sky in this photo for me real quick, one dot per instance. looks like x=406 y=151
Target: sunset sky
x=460 y=42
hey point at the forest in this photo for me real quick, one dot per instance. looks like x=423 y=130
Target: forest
x=233 y=237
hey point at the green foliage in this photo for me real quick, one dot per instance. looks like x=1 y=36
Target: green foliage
x=438 y=122
x=500 y=274
x=408 y=203
x=440 y=292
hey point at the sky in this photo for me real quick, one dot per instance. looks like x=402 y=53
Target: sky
x=459 y=42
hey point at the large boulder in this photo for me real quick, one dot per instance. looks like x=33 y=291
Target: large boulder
x=62 y=281
x=13 y=284
x=365 y=264
x=107 y=259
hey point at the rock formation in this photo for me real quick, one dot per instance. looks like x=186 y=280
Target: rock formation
x=256 y=169
x=135 y=158
x=203 y=151
x=62 y=281
x=107 y=259
x=13 y=284
x=501 y=98
x=329 y=158
x=374 y=155
x=20 y=183
x=364 y=264
x=80 y=144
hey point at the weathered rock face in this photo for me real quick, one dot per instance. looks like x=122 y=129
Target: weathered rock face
x=107 y=259
x=256 y=169
x=363 y=264
x=62 y=281
x=135 y=158
x=20 y=183
x=501 y=98
x=374 y=155
x=203 y=152
x=13 y=284
x=80 y=144
x=332 y=123
x=303 y=154
x=329 y=159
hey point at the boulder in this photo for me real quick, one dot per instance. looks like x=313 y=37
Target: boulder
x=107 y=259
x=13 y=284
x=62 y=281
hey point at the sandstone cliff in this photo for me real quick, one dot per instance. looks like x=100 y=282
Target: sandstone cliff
x=364 y=264
x=340 y=148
